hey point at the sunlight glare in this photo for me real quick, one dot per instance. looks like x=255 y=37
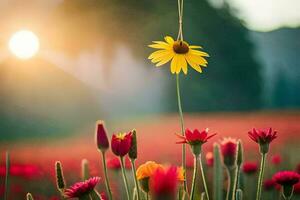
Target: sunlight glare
x=24 y=44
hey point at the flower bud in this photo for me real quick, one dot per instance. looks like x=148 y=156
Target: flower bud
x=101 y=136
x=133 y=148
x=239 y=159
x=229 y=152
x=29 y=196
x=60 y=180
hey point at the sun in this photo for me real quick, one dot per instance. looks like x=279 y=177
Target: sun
x=24 y=44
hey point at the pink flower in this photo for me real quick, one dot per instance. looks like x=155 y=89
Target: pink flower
x=121 y=143
x=286 y=178
x=249 y=167
x=163 y=183
x=229 y=151
x=276 y=159
x=101 y=136
x=262 y=136
x=195 y=137
x=209 y=159
x=82 y=188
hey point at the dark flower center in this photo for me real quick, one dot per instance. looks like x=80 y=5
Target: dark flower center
x=180 y=47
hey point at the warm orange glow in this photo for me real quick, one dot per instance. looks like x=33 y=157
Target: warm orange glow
x=24 y=44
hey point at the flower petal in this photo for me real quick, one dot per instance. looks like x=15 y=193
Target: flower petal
x=165 y=59
x=174 y=63
x=169 y=40
x=195 y=47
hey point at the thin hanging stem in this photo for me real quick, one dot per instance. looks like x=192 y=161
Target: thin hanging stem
x=196 y=158
x=261 y=176
x=203 y=178
x=125 y=178
x=106 y=176
x=182 y=130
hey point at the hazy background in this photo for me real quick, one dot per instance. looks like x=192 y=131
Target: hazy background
x=93 y=61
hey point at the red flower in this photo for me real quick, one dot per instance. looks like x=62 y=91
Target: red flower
x=249 y=167
x=121 y=143
x=163 y=183
x=82 y=188
x=101 y=136
x=270 y=184
x=209 y=159
x=276 y=159
x=195 y=137
x=115 y=163
x=229 y=151
x=286 y=178
x=262 y=136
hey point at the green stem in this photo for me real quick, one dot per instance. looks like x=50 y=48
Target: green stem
x=106 y=176
x=203 y=178
x=135 y=179
x=182 y=130
x=261 y=175
x=196 y=158
x=125 y=178
x=7 y=176
x=147 y=196
x=231 y=183
x=85 y=197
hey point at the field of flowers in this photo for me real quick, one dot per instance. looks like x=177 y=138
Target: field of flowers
x=32 y=163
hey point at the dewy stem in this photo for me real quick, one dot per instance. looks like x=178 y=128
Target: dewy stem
x=124 y=177
x=261 y=175
x=106 y=176
x=182 y=130
x=203 y=178
x=196 y=158
x=135 y=179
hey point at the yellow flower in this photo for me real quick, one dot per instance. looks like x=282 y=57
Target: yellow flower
x=180 y=53
x=146 y=170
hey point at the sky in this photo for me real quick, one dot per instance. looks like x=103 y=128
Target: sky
x=267 y=15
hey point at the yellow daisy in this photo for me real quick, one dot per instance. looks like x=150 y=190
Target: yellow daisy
x=180 y=53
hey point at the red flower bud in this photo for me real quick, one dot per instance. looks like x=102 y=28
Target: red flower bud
x=101 y=136
x=276 y=159
x=121 y=143
x=229 y=151
x=209 y=159
x=250 y=168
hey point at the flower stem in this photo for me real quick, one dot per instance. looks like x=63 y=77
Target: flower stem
x=203 y=178
x=106 y=176
x=261 y=175
x=125 y=178
x=135 y=179
x=196 y=158
x=182 y=130
x=231 y=183
x=7 y=176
